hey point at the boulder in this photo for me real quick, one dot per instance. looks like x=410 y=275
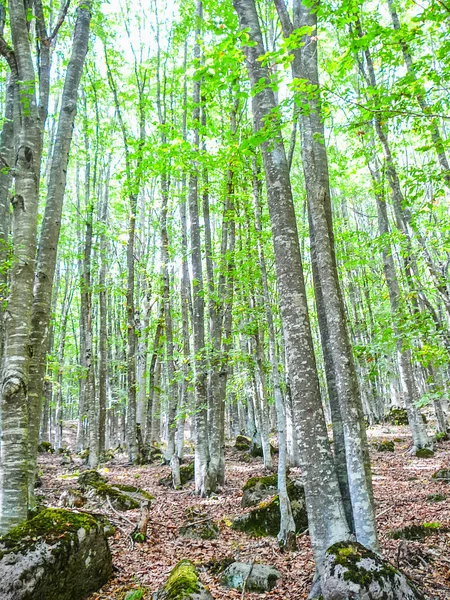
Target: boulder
x=45 y=447
x=199 y=526
x=352 y=571
x=264 y=519
x=122 y=497
x=57 y=555
x=183 y=584
x=258 y=489
x=186 y=475
x=257 y=578
x=385 y=446
x=243 y=443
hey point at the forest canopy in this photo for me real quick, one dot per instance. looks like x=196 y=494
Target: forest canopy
x=226 y=223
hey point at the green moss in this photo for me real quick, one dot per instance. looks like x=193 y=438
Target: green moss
x=417 y=532
x=131 y=489
x=90 y=478
x=122 y=500
x=385 y=446
x=243 y=443
x=268 y=481
x=186 y=473
x=45 y=447
x=51 y=525
x=424 y=453
x=442 y=475
x=350 y=554
x=436 y=498
x=183 y=581
x=441 y=436
x=135 y=594
x=397 y=416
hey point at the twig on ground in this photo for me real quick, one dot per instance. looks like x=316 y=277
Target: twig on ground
x=244 y=585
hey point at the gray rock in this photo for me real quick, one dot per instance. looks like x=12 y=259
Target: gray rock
x=258 y=489
x=353 y=571
x=259 y=578
x=57 y=555
x=264 y=519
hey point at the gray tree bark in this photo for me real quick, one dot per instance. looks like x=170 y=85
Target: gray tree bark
x=325 y=508
x=16 y=355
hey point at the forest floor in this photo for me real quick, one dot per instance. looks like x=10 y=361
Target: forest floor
x=402 y=486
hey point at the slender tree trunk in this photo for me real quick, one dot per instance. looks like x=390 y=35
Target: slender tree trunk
x=327 y=522
x=418 y=429
x=7 y=153
x=202 y=483
x=315 y=168
x=16 y=354
x=286 y=535
x=49 y=237
x=103 y=318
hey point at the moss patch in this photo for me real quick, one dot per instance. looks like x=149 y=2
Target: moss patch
x=436 y=498
x=186 y=473
x=264 y=519
x=51 y=525
x=243 y=443
x=442 y=475
x=183 y=581
x=269 y=481
x=424 y=453
x=349 y=555
x=385 y=446
x=417 y=532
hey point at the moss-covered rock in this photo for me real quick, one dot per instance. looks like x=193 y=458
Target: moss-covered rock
x=89 y=478
x=122 y=497
x=397 y=416
x=352 y=571
x=257 y=489
x=442 y=475
x=72 y=498
x=44 y=447
x=417 y=532
x=424 y=453
x=257 y=578
x=57 y=555
x=264 y=519
x=385 y=446
x=183 y=584
x=243 y=443
x=186 y=475
x=198 y=525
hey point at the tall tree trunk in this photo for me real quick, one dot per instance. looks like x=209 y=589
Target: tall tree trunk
x=327 y=522
x=16 y=354
x=51 y=225
x=103 y=320
x=315 y=168
x=202 y=483
x=286 y=535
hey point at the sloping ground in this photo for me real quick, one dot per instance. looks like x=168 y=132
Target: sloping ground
x=402 y=485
